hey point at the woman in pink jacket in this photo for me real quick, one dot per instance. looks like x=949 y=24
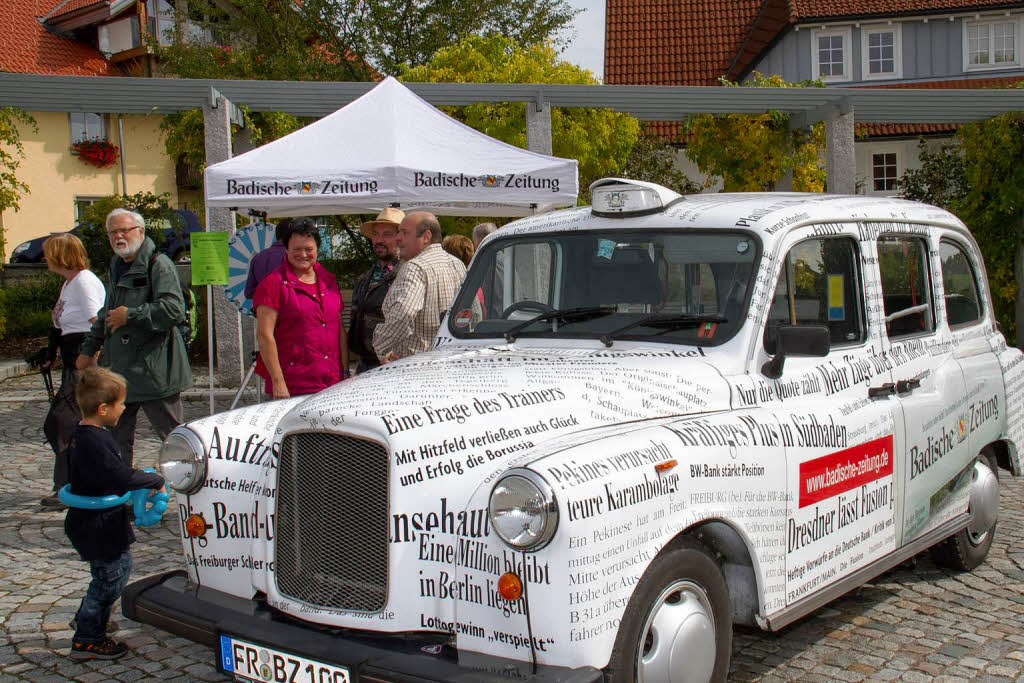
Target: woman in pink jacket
x=303 y=345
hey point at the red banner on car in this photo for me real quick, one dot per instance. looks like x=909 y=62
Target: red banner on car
x=847 y=469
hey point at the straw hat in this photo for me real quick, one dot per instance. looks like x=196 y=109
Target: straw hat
x=388 y=216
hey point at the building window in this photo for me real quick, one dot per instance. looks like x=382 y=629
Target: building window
x=991 y=44
x=884 y=172
x=88 y=126
x=81 y=204
x=830 y=54
x=881 y=54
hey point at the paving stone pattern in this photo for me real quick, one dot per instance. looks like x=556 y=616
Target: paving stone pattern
x=916 y=623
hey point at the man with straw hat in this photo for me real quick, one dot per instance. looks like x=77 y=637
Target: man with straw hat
x=371 y=288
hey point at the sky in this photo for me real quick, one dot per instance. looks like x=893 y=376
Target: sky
x=587 y=48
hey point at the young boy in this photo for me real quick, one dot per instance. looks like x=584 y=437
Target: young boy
x=101 y=537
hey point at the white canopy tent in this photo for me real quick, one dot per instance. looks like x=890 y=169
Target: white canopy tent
x=391 y=148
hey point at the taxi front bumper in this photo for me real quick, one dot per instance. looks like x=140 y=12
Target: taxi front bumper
x=168 y=601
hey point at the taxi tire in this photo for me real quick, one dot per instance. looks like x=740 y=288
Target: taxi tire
x=958 y=551
x=687 y=560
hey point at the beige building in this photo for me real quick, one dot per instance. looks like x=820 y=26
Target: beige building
x=85 y=38
x=62 y=185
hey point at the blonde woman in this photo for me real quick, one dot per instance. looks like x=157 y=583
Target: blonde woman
x=81 y=298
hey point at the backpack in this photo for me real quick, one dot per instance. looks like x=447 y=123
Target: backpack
x=187 y=327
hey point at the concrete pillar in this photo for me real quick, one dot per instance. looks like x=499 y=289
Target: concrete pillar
x=785 y=183
x=538 y=126
x=840 y=162
x=227 y=324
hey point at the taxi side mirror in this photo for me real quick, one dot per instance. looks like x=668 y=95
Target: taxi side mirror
x=797 y=340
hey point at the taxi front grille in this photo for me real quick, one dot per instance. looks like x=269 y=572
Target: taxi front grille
x=332 y=522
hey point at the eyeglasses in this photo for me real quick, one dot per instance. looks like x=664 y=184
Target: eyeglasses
x=120 y=232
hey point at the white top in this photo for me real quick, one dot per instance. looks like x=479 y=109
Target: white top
x=80 y=300
x=390 y=147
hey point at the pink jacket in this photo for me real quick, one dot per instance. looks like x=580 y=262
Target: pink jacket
x=308 y=328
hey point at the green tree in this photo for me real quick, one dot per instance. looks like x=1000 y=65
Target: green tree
x=653 y=160
x=752 y=152
x=599 y=139
x=11 y=154
x=941 y=180
x=342 y=40
x=979 y=178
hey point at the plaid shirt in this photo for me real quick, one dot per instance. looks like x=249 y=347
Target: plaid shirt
x=424 y=289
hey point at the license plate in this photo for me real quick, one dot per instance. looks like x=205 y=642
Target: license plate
x=251 y=662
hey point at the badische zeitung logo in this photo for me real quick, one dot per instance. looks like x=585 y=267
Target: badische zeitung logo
x=253 y=188
x=515 y=181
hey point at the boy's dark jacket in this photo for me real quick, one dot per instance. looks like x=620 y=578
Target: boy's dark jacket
x=97 y=470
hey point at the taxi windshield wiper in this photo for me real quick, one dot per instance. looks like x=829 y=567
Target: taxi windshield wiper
x=562 y=314
x=669 y=322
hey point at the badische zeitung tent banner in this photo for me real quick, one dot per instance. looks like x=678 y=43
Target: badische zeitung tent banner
x=391 y=148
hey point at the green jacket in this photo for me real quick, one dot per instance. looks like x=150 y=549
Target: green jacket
x=148 y=350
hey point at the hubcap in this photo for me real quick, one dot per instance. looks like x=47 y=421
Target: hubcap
x=677 y=643
x=984 y=505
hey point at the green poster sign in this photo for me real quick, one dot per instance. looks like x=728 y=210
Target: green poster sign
x=209 y=258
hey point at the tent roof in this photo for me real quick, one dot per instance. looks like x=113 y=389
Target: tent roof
x=389 y=147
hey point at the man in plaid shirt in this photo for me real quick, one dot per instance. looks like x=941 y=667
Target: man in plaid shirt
x=424 y=289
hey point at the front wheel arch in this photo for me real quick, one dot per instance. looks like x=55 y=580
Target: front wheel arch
x=679 y=612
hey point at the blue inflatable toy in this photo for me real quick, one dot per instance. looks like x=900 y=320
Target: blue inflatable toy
x=148 y=508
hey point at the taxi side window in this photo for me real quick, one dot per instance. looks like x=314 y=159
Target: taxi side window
x=906 y=286
x=959 y=286
x=819 y=284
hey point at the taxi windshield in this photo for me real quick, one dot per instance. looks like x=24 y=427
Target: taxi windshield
x=672 y=286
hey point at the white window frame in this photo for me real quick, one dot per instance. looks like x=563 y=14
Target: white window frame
x=990 y=22
x=897 y=51
x=86 y=200
x=846 y=33
x=71 y=126
x=884 y=149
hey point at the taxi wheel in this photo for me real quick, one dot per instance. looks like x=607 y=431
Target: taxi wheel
x=968 y=548
x=677 y=627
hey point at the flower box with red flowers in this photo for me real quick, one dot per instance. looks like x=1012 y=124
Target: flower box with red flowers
x=99 y=153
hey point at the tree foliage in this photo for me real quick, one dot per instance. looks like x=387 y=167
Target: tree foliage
x=980 y=179
x=342 y=40
x=11 y=154
x=653 y=160
x=752 y=152
x=599 y=139
x=941 y=180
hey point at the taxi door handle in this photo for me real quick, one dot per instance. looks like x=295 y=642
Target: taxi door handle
x=887 y=389
x=905 y=386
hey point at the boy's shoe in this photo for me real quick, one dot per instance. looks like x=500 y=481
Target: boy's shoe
x=112 y=626
x=108 y=648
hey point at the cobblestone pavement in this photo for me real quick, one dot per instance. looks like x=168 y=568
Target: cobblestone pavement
x=915 y=623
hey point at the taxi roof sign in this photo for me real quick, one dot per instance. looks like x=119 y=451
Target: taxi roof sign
x=618 y=198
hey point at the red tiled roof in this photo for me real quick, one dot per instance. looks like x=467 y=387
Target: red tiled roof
x=682 y=42
x=806 y=10
x=882 y=130
x=968 y=83
x=29 y=48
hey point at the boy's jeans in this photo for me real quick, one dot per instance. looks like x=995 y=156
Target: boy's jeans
x=108 y=580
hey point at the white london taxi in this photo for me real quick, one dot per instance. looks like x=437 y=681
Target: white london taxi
x=642 y=422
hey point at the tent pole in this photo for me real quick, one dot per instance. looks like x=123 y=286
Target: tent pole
x=209 y=321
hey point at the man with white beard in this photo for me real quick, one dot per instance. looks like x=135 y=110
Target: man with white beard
x=136 y=331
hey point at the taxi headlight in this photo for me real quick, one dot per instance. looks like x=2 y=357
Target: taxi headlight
x=183 y=461
x=523 y=510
